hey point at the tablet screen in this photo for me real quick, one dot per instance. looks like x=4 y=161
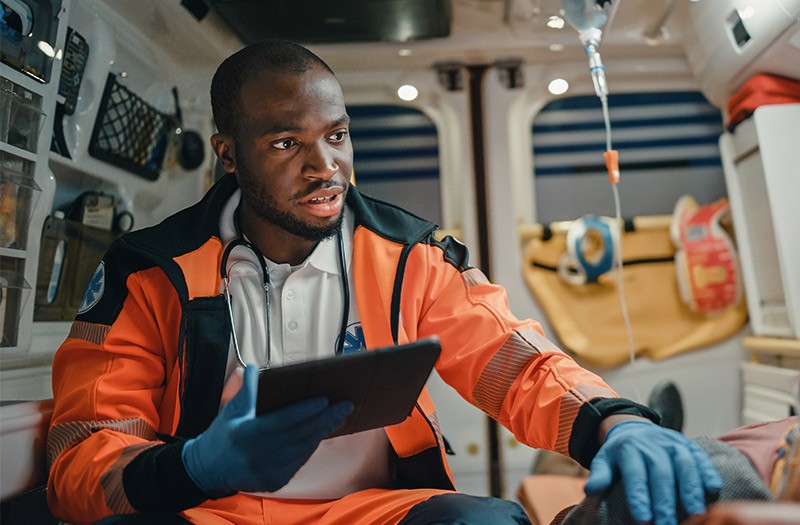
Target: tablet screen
x=383 y=384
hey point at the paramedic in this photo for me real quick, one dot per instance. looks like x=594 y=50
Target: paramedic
x=154 y=415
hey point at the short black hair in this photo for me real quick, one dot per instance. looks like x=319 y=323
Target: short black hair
x=274 y=55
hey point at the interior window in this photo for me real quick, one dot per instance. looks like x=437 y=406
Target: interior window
x=396 y=157
x=667 y=146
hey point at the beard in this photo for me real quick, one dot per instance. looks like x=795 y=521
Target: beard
x=294 y=225
x=265 y=206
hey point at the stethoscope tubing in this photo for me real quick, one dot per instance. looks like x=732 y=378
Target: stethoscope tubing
x=265 y=284
x=265 y=281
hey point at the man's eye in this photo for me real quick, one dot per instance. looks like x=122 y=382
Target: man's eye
x=284 y=144
x=338 y=136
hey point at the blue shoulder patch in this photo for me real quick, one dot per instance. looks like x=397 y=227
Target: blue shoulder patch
x=94 y=291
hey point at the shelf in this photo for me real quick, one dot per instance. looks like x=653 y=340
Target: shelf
x=773 y=351
x=90 y=172
x=21 y=115
x=19 y=152
x=13 y=252
x=19 y=194
x=27 y=106
x=18 y=178
x=13 y=280
x=773 y=345
x=26 y=81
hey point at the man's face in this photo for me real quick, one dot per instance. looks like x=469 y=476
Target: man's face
x=292 y=154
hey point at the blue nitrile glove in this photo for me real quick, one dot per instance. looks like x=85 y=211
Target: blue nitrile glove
x=243 y=452
x=650 y=461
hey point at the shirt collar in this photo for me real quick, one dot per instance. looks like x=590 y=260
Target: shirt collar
x=325 y=256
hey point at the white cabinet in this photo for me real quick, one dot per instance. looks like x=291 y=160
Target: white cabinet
x=29 y=75
x=23 y=434
x=771 y=379
x=58 y=155
x=761 y=159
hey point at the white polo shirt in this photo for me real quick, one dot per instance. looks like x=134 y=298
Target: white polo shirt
x=305 y=319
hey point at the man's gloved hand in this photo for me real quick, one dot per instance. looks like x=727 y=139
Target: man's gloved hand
x=651 y=460
x=243 y=452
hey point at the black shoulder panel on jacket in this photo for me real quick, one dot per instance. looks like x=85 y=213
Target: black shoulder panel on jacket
x=182 y=232
x=454 y=251
x=189 y=228
x=107 y=289
x=387 y=220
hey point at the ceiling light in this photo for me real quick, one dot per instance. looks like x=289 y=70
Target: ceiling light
x=405 y=52
x=555 y=22
x=407 y=92
x=747 y=12
x=46 y=48
x=556 y=47
x=558 y=86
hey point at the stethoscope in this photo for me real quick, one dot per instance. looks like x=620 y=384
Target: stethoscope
x=265 y=283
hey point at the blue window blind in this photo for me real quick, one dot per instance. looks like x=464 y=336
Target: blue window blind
x=667 y=144
x=396 y=157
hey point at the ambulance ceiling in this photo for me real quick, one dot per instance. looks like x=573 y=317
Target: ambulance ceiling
x=472 y=31
x=326 y=21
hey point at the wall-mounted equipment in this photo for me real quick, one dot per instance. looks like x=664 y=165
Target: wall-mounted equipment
x=728 y=41
x=69 y=255
x=129 y=133
x=760 y=159
x=28 y=35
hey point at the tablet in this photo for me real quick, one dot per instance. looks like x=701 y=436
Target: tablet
x=383 y=384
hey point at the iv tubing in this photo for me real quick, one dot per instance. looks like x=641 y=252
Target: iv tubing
x=623 y=304
x=590 y=38
x=618 y=213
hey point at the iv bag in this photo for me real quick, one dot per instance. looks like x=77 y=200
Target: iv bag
x=585 y=14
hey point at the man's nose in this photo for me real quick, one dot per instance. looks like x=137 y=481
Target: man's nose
x=320 y=162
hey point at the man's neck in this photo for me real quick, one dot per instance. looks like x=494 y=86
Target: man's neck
x=275 y=243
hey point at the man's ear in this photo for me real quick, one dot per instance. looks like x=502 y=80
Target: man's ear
x=225 y=148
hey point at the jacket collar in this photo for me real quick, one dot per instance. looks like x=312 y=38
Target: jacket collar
x=190 y=228
x=387 y=220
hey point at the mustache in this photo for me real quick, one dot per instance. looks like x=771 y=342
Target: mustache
x=321 y=185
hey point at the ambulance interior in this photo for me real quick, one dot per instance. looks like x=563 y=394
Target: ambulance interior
x=484 y=116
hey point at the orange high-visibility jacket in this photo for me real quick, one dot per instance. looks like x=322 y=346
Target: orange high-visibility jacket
x=144 y=363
